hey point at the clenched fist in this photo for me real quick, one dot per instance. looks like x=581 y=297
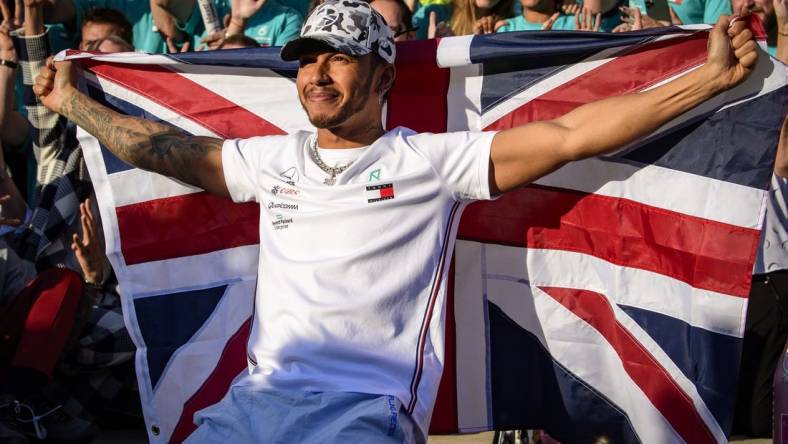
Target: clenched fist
x=55 y=84
x=732 y=52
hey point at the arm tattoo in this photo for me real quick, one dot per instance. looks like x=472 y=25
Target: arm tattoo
x=145 y=144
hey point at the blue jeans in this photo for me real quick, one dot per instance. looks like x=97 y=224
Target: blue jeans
x=252 y=415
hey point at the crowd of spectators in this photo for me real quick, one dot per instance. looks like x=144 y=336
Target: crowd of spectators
x=49 y=229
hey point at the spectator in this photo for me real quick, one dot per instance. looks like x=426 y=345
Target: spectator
x=479 y=16
x=546 y=14
x=146 y=36
x=774 y=15
x=433 y=15
x=268 y=22
x=100 y=23
x=98 y=371
x=397 y=16
x=111 y=43
x=690 y=12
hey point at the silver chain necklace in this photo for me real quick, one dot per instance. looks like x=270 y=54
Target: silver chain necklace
x=332 y=171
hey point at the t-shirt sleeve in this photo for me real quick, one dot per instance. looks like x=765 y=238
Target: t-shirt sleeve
x=714 y=9
x=240 y=161
x=461 y=159
x=290 y=29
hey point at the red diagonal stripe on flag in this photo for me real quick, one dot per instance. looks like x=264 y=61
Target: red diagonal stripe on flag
x=231 y=363
x=703 y=253
x=185 y=97
x=655 y=382
x=185 y=225
x=418 y=98
x=644 y=66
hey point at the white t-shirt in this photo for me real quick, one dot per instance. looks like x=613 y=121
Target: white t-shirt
x=352 y=277
x=773 y=250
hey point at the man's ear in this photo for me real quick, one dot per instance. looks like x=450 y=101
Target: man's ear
x=386 y=79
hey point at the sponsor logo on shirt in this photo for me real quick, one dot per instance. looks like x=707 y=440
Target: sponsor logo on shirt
x=283 y=206
x=276 y=189
x=290 y=175
x=376 y=193
x=281 y=222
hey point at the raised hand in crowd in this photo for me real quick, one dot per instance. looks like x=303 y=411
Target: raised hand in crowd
x=570 y=8
x=488 y=24
x=548 y=24
x=437 y=29
x=242 y=11
x=13 y=126
x=88 y=248
x=173 y=48
x=585 y=20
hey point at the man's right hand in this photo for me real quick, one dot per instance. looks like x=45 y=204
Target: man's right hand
x=55 y=84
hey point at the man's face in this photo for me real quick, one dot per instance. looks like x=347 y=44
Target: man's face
x=336 y=88
x=762 y=8
x=92 y=32
x=392 y=13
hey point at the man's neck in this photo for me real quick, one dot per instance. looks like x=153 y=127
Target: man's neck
x=342 y=137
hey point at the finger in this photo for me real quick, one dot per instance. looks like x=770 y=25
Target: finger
x=5 y=199
x=746 y=48
x=171 y=45
x=749 y=59
x=577 y=20
x=597 y=22
x=500 y=24
x=548 y=25
x=50 y=64
x=186 y=47
x=433 y=25
x=488 y=25
x=736 y=27
x=76 y=244
x=740 y=39
x=5 y=12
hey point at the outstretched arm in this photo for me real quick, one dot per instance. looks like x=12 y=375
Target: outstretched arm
x=151 y=146
x=523 y=154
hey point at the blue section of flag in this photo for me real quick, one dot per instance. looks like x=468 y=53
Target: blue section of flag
x=532 y=390
x=711 y=146
x=244 y=57
x=164 y=327
x=707 y=359
x=536 y=45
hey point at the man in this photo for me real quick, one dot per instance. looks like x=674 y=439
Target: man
x=398 y=16
x=100 y=23
x=358 y=223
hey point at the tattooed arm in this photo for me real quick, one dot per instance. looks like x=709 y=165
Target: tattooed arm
x=151 y=146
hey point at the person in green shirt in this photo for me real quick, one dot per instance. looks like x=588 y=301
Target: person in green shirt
x=269 y=22
x=138 y=12
x=692 y=12
x=421 y=17
x=546 y=15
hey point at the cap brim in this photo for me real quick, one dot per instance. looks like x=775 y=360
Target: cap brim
x=305 y=45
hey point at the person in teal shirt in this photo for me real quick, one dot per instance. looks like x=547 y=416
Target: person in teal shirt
x=421 y=17
x=137 y=12
x=692 y=12
x=520 y=23
x=273 y=24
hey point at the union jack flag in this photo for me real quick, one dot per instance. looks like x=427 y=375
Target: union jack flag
x=605 y=300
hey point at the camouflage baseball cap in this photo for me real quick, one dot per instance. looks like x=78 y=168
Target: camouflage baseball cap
x=350 y=27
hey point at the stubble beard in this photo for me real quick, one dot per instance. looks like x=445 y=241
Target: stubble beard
x=346 y=111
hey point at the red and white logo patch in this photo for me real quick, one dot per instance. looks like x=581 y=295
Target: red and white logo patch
x=376 y=193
